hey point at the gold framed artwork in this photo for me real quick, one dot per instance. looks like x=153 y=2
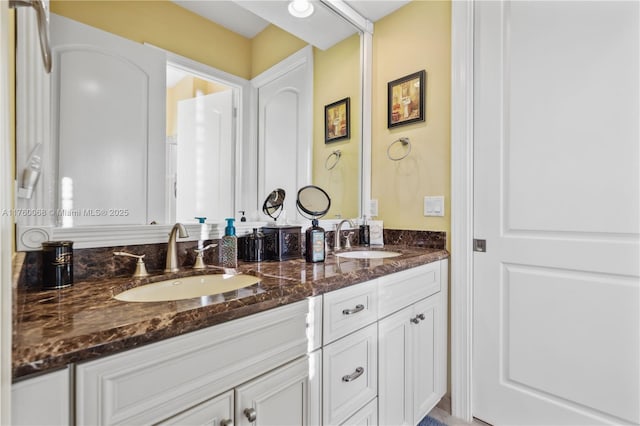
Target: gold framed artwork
x=405 y=99
x=336 y=121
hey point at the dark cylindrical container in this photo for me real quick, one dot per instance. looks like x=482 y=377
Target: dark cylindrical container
x=364 y=235
x=57 y=264
x=255 y=246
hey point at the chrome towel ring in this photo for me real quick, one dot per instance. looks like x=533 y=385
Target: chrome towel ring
x=405 y=142
x=332 y=160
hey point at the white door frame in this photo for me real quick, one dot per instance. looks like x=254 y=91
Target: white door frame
x=462 y=13
x=6 y=224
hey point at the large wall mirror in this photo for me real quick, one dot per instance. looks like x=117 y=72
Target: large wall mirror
x=114 y=191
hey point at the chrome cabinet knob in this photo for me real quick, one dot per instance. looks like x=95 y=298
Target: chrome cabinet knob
x=421 y=317
x=415 y=320
x=250 y=413
x=226 y=422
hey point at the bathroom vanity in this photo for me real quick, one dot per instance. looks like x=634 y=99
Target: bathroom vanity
x=349 y=341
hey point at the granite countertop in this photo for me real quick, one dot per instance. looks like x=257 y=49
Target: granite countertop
x=54 y=328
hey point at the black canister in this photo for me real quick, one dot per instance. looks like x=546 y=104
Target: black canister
x=364 y=235
x=255 y=246
x=57 y=264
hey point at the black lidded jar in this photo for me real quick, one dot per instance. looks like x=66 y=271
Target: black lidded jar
x=57 y=264
x=314 y=243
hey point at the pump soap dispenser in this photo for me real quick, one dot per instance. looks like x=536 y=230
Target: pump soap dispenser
x=229 y=246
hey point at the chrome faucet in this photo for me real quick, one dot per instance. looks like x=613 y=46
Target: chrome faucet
x=336 y=239
x=172 y=250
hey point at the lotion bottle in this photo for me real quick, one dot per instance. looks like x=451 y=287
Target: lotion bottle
x=229 y=246
x=314 y=243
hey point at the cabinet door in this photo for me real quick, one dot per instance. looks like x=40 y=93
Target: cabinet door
x=278 y=398
x=350 y=374
x=394 y=352
x=366 y=416
x=215 y=412
x=42 y=400
x=425 y=356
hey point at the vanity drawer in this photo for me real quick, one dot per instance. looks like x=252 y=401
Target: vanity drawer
x=348 y=310
x=349 y=374
x=401 y=289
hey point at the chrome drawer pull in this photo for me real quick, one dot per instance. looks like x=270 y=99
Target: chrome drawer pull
x=351 y=377
x=355 y=310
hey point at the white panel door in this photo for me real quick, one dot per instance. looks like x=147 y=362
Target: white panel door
x=108 y=115
x=278 y=398
x=205 y=172
x=557 y=292
x=285 y=132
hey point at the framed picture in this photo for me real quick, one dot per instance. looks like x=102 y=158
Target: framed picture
x=336 y=121
x=405 y=99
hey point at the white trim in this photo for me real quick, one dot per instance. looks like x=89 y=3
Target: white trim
x=5 y=224
x=462 y=208
x=366 y=65
x=350 y=15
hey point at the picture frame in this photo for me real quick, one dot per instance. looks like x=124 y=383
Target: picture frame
x=337 y=121
x=406 y=99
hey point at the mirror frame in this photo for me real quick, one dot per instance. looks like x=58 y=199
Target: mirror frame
x=33 y=125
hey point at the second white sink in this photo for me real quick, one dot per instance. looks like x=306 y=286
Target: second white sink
x=368 y=254
x=187 y=288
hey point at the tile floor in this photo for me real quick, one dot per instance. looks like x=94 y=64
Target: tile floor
x=442 y=413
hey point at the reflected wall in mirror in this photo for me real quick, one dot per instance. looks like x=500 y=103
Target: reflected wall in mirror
x=166 y=25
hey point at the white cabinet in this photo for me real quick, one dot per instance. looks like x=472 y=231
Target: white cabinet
x=280 y=397
x=372 y=353
x=155 y=382
x=366 y=416
x=42 y=400
x=412 y=359
x=217 y=411
x=350 y=374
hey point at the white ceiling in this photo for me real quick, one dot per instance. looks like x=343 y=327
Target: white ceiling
x=322 y=29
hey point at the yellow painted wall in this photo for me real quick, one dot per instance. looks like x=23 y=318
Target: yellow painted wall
x=337 y=76
x=415 y=37
x=271 y=46
x=166 y=25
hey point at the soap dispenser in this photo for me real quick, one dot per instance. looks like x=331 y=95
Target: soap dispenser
x=229 y=246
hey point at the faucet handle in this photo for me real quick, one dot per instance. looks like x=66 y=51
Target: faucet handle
x=199 y=263
x=141 y=269
x=347 y=242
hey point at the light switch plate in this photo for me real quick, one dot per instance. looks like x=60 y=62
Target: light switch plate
x=373 y=208
x=434 y=206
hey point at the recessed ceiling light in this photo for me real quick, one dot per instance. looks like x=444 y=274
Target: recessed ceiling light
x=300 y=8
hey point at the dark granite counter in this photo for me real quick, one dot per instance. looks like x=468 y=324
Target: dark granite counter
x=84 y=322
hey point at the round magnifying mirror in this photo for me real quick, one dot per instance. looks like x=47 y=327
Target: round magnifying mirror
x=273 y=204
x=313 y=202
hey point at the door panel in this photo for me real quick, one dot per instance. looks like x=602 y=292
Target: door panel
x=556 y=193
x=107 y=164
x=205 y=147
x=285 y=133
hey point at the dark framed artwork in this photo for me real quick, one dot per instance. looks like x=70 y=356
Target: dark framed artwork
x=406 y=99
x=336 y=121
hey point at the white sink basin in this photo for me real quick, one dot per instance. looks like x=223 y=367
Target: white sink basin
x=186 y=288
x=368 y=254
